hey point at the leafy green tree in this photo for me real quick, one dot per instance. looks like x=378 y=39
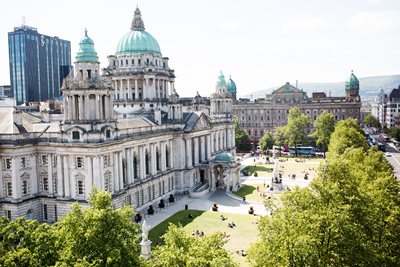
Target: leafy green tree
x=296 y=128
x=26 y=243
x=349 y=216
x=267 y=141
x=181 y=250
x=279 y=136
x=99 y=235
x=371 y=121
x=242 y=139
x=324 y=126
x=347 y=134
x=394 y=132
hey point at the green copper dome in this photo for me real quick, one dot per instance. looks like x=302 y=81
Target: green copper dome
x=352 y=83
x=86 y=51
x=221 y=80
x=231 y=86
x=224 y=157
x=137 y=40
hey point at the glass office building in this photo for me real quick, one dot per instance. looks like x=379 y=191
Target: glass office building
x=38 y=64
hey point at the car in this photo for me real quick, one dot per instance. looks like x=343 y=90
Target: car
x=387 y=154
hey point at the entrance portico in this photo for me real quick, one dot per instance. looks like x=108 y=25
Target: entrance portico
x=224 y=173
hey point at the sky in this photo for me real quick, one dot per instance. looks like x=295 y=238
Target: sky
x=260 y=43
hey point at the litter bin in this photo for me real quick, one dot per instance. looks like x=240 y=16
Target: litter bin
x=186 y=206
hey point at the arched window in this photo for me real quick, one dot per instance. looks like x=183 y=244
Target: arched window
x=157 y=160
x=147 y=161
x=135 y=167
x=166 y=157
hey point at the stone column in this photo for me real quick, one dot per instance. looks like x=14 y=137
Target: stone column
x=15 y=181
x=208 y=147
x=81 y=112
x=67 y=186
x=97 y=105
x=129 y=89
x=196 y=150
x=153 y=159
x=162 y=156
x=136 y=90
x=89 y=181
x=121 y=90
x=60 y=187
x=203 y=148
x=129 y=166
x=188 y=153
x=73 y=113
x=212 y=185
x=121 y=171
x=96 y=172
x=142 y=163
x=50 y=173
x=116 y=187
x=33 y=176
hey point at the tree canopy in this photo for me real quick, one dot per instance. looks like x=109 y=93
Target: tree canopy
x=296 y=128
x=242 y=139
x=348 y=216
x=324 y=126
x=181 y=250
x=347 y=134
x=267 y=141
x=371 y=121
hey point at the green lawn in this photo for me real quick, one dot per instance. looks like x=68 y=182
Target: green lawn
x=209 y=222
x=260 y=169
x=250 y=192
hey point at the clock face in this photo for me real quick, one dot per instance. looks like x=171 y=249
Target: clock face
x=42 y=40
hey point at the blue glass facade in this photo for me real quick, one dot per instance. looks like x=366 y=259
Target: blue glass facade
x=38 y=64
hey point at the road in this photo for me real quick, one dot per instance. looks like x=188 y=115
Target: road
x=394 y=157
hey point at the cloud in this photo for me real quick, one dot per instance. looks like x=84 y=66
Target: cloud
x=372 y=23
x=304 y=25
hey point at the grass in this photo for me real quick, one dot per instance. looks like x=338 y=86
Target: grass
x=209 y=222
x=250 y=192
x=260 y=169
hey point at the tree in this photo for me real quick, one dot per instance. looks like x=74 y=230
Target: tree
x=296 y=128
x=347 y=134
x=27 y=243
x=279 y=136
x=349 y=216
x=324 y=126
x=242 y=139
x=267 y=141
x=371 y=121
x=181 y=250
x=99 y=235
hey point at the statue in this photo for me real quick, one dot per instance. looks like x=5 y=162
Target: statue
x=145 y=231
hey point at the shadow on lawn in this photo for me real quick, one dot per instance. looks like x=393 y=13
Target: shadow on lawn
x=181 y=217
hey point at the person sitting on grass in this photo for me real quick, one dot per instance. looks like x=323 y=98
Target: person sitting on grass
x=230 y=225
x=222 y=217
x=233 y=224
x=190 y=216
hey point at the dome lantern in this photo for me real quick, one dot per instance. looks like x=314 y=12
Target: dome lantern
x=352 y=83
x=86 y=52
x=137 y=40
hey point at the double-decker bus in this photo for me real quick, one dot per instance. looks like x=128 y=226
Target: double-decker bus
x=302 y=150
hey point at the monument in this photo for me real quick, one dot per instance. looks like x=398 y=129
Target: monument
x=145 y=243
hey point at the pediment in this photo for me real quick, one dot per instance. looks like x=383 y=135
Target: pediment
x=202 y=123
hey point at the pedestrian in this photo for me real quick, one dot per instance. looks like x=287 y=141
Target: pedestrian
x=244 y=199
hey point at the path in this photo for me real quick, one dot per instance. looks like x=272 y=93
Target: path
x=225 y=204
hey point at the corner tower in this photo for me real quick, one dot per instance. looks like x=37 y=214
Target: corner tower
x=221 y=101
x=352 y=87
x=88 y=115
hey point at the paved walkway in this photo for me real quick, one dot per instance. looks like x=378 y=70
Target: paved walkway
x=226 y=203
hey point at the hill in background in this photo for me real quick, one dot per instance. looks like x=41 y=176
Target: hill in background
x=369 y=87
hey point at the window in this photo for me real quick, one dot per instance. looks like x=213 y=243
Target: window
x=147 y=161
x=55 y=213
x=7 y=163
x=45 y=184
x=25 y=187
x=167 y=157
x=81 y=188
x=135 y=167
x=8 y=188
x=133 y=62
x=75 y=135
x=7 y=213
x=79 y=162
x=139 y=61
x=157 y=160
x=23 y=162
x=43 y=160
x=45 y=215
x=108 y=133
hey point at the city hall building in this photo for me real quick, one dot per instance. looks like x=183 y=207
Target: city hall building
x=125 y=132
